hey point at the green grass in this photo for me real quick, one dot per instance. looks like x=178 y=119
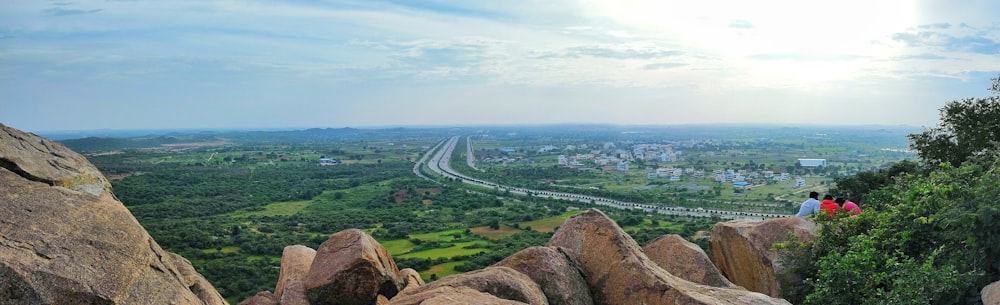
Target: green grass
x=277 y=209
x=440 y=236
x=441 y=270
x=455 y=250
x=230 y=249
x=491 y=234
x=549 y=224
x=648 y=223
x=397 y=246
x=272 y=258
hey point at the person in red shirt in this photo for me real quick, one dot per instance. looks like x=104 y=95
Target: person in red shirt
x=829 y=206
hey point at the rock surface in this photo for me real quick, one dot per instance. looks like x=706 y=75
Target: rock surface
x=411 y=279
x=558 y=277
x=685 y=260
x=65 y=239
x=42 y=160
x=742 y=250
x=448 y=295
x=295 y=263
x=617 y=271
x=351 y=268
x=502 y=282
x=991 y=294
x=262 y=298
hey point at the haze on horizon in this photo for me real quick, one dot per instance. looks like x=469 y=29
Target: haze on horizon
x=85 y=65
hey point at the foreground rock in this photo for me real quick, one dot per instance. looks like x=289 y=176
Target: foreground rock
x=351 y=268
x=991 y=294
x=295 y=263
x=65 y=239
x=262 y=298
x=743 y=250
x=448 y=295
x=501 y=282
x=617 y=271
x=685 y=260
x=411 y=279
x=558 y=277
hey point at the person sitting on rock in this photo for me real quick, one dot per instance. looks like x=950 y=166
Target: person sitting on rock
x=849 y=206
x=810 y=206
x=829 y=206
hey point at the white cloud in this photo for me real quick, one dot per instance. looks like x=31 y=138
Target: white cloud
x=711 y=58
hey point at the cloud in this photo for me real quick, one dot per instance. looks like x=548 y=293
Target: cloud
x=935 y=26
x=615 y=52
x=741 y=24
x=971 y=44
x=805 y=57
x=664 y=65
x=925 y=56
x=58 y=11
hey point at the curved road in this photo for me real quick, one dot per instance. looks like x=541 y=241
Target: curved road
x=439 y=161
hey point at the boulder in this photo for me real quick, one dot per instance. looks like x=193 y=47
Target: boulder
x=195 y=281
x=262 y=298
x=351 y=268
x=685 y=260
x=554 y=272
x=618 y=272
x=743 y=250
x=42 y=160
x=411 y=279
x=448 y=295
x=66 y=239
x=295 y=263
x=991 y=294
x=502 y=282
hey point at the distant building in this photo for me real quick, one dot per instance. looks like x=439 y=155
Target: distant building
x=812 y=162
x=651 y=176
x=740 y=184
x=507 y=150
x=800 y=182
x=327 y=162
x=622 y=166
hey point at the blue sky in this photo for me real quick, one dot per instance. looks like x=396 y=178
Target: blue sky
x=79 y=65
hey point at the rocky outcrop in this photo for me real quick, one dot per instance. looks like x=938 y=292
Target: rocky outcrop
x=351 y=268
x=411 y=279
x=685 y=260
x=262 y=298
x=743 y=250
x=991 y=294
x=618 y=272
x=558 y=277
x=42 y=160
x=195 y=281
x=65 y=239
x=448 y=295
x=502 y=282
x=295 y=263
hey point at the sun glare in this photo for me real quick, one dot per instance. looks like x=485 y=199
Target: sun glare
x=803 y=41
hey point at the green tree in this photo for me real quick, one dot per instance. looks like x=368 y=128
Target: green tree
x=968 y=127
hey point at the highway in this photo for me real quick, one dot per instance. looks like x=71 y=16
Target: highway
x=438 y=160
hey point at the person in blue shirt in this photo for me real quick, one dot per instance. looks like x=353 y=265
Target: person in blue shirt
x=809 y=206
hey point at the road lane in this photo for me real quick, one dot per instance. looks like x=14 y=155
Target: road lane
x=439 y=157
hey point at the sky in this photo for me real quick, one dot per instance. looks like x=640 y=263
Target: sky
x=143 y=64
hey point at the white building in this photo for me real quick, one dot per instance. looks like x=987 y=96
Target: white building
x=622 y=166
x=812 y=162
x=800 y=182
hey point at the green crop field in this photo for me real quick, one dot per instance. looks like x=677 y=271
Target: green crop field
x=457 y=249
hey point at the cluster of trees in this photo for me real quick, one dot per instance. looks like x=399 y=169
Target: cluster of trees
x=929 y=232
